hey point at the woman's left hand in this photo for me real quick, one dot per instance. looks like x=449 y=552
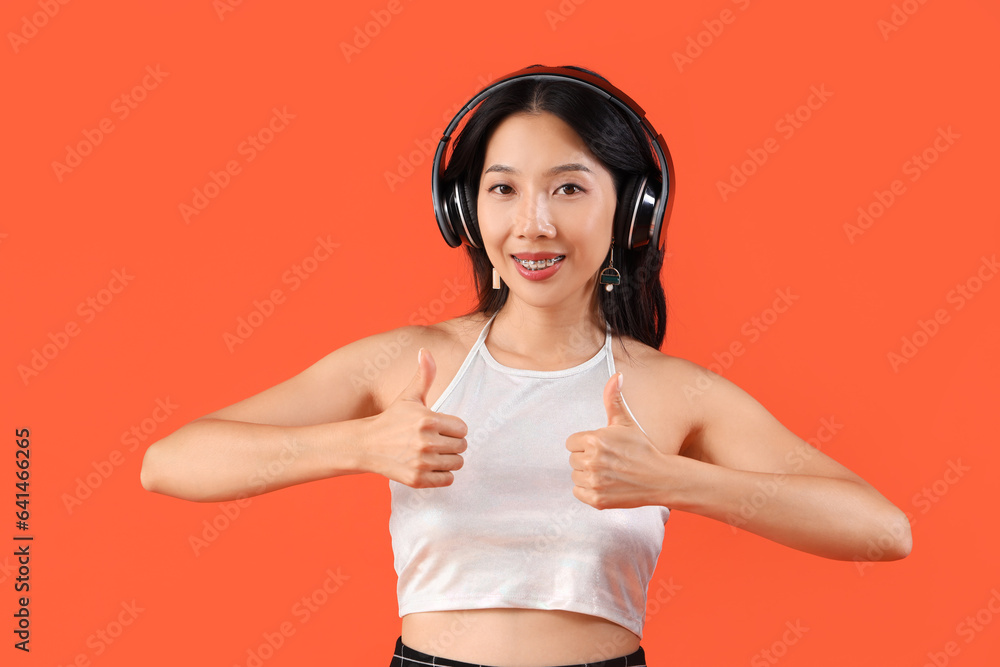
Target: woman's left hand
x=618 y=465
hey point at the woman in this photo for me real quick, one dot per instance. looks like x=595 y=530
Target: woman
x=528 y=498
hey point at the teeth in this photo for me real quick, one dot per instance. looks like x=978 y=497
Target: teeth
x=534 y=265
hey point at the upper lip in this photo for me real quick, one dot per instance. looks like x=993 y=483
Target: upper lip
x=536 y=255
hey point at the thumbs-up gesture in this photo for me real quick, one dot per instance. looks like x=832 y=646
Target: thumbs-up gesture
x=618 y=465
x=410 y=443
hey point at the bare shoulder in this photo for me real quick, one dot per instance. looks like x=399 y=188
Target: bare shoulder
x=652 y=369
x=731 y=428
x=390 y=358
x=712 y=419
x=661 y=390
x=360 y=378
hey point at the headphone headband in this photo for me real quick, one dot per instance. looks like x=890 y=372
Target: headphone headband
x=641 y=127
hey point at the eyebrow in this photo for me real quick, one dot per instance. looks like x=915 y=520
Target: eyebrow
x=573 y=166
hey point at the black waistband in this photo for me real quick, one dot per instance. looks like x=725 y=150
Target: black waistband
x=404 y=656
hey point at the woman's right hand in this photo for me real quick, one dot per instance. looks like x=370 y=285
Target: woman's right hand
x=410 y=443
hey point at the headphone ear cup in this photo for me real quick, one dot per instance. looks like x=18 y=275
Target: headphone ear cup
x=634 y=215
x=469 y=204
x=625 y=210
x=459 y=227
x=449 y=221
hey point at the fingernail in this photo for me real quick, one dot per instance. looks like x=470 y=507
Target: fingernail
x=420 y=355
x=621 y=380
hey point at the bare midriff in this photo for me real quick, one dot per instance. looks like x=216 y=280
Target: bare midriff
x=517 y=637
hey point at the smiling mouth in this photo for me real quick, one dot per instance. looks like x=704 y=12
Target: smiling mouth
x=539 y=264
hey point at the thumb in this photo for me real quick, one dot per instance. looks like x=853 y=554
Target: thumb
x=421 y=382
x=614 y=404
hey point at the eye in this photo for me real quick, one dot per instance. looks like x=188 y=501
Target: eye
x=501 y=185
x=573 y=188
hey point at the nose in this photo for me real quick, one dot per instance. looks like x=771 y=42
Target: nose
x=532 y=219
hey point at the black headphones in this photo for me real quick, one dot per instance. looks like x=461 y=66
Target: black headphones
x=644 y=203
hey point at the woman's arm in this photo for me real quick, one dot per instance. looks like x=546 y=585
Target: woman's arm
x=307 y=428
x=737 y=464
x=743 y=467
x=212 y=460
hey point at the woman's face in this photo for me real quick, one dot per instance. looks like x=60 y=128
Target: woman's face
x=543 y=194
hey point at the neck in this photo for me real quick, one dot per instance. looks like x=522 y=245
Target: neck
x=552 y=336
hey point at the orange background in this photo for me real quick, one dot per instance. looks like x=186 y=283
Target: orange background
x=375 y=111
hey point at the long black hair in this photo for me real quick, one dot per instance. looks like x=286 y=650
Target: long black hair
x=636 y=307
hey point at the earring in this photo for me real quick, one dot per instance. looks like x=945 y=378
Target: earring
x=610 y=276
x=496 y=279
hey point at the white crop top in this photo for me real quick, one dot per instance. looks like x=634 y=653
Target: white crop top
x=508 y=532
